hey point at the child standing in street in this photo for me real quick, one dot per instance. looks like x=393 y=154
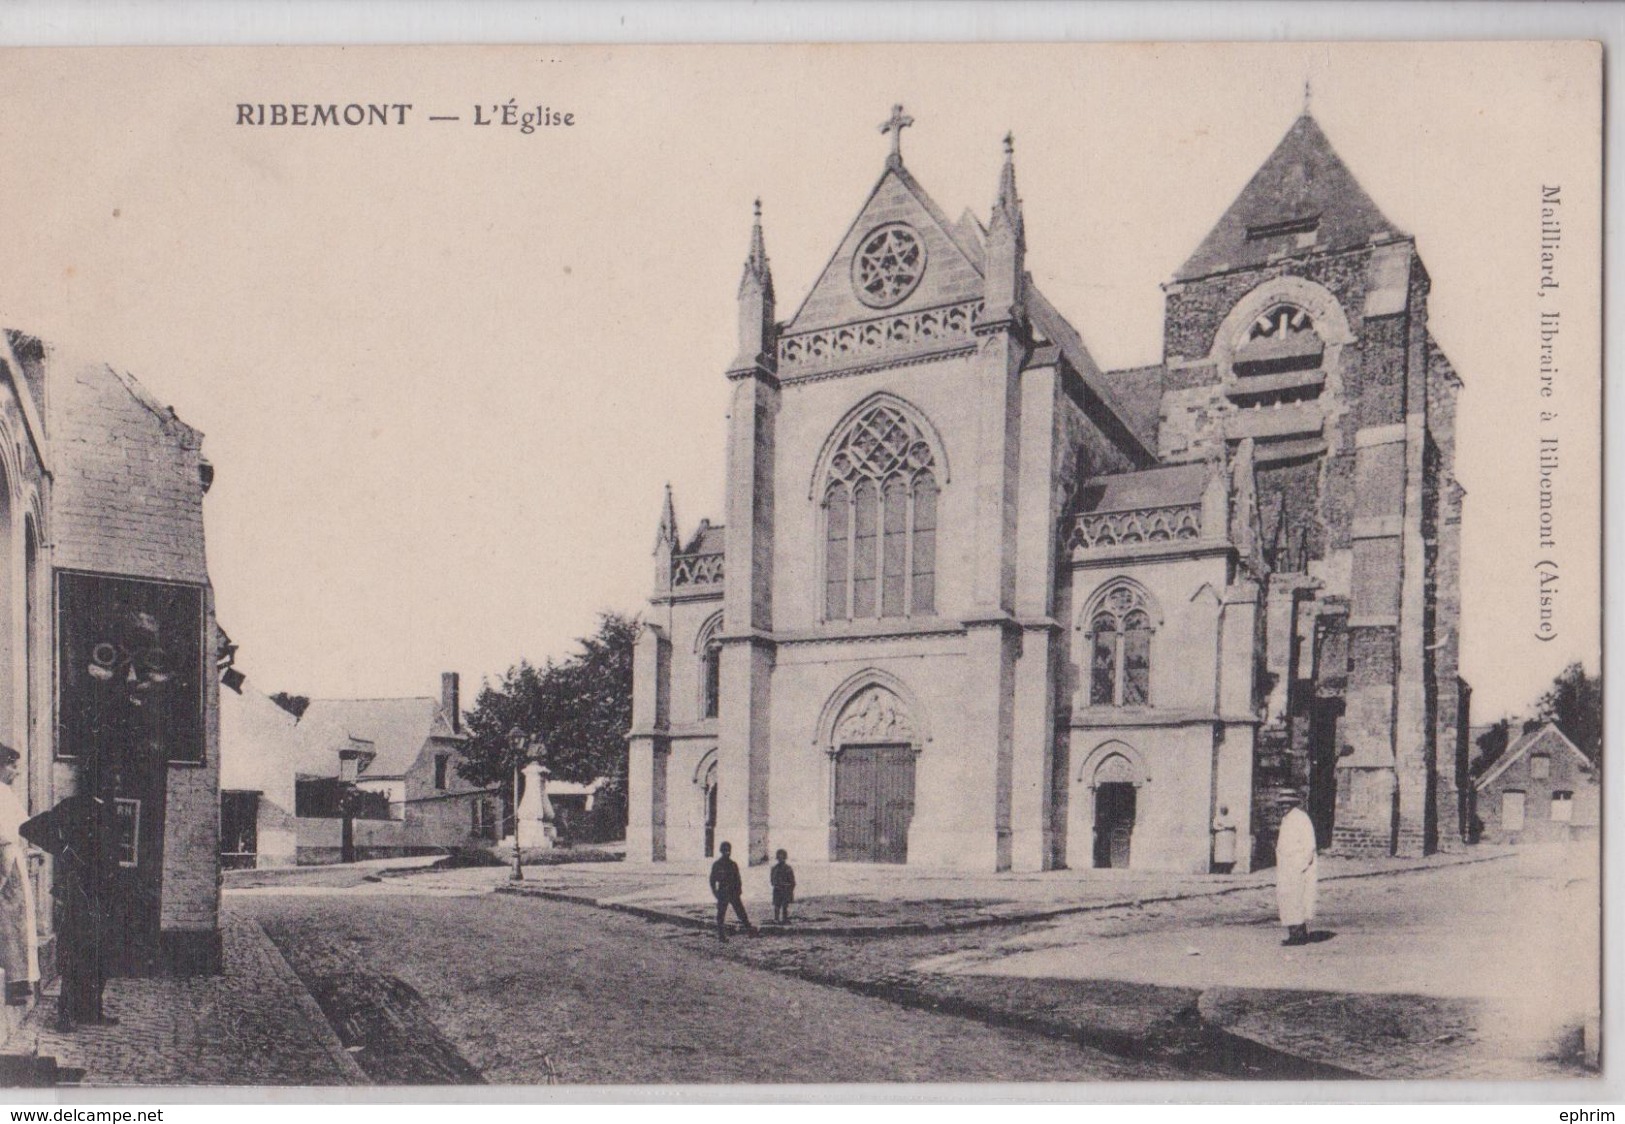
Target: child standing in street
x=784 y=887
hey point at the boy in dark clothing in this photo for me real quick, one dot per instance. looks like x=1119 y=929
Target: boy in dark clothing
x=727 y=886
x=784 y=887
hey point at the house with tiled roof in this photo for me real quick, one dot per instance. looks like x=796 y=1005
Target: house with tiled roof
x=1542 y=789
x=284 y=799
x=983 y=604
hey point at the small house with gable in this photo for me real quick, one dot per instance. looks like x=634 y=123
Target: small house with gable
x=1544 y=789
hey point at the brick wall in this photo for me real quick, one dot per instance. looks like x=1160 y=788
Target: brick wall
x=127 y=499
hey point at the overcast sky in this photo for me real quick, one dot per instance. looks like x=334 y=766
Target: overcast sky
x=445 y=369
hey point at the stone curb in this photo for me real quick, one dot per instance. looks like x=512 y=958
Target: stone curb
x=321 y=1029
x=921 y=928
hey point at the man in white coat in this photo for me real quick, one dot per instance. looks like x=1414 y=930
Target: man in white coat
x=1295 y=873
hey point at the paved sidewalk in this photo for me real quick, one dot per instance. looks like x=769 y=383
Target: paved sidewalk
x=859 y=899
x=253 y=1025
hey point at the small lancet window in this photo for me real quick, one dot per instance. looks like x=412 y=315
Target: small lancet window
x=1120 y=650
x=880 y=520
x=711 y=669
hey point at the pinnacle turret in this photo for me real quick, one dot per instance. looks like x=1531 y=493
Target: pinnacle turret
x=757 y=270
x=1006 y=245
x=756 y=305
x=667 y=534
x=1007 y=204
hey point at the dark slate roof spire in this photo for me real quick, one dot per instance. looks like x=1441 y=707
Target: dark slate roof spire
x=1302 y=198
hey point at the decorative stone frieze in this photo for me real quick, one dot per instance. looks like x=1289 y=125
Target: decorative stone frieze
x=908 y=334
x=696 y=569
x=1122 y=528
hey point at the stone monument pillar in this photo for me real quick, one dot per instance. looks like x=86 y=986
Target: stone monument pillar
x=534 y=821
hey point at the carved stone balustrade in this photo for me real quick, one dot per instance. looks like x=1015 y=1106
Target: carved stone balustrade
x=1093 y=530
x=689 y=570
x=908 y=334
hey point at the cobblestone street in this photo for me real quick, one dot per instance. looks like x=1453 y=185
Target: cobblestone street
x=426 y=977
x=531 y=992
x=255 y=1024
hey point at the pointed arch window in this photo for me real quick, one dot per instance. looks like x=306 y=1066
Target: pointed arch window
x=1120 y=649
x=710 y=649
x=880 y=520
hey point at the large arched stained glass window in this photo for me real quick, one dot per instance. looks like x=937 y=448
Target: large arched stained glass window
x=1120 y=649
x=880 y=520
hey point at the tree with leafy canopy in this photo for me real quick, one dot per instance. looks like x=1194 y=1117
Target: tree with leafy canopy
x=578 y=708
x=1573 y=704
x=1492 y=743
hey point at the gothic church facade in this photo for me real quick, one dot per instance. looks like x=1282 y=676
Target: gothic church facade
x=978 y=603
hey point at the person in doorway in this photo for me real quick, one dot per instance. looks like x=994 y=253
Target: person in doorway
x=1224 y=841
x=19 y=939
x=1295 y=872
x=726 y=887
x=783 y=878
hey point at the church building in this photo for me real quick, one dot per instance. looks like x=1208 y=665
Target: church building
x=977 y=603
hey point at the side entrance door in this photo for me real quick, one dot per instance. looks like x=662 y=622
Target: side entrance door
x=1114 y=823
x=711 y=813
x=874 y=803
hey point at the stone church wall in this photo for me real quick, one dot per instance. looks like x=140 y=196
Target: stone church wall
x=809 y=417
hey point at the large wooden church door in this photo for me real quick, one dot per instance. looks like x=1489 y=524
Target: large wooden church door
x=874 y=803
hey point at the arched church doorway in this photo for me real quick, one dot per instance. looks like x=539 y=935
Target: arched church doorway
x=1116 y=803
x=873 y=747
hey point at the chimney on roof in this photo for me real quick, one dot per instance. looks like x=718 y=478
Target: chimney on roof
x=450 y=702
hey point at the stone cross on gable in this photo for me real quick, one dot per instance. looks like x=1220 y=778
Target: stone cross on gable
x=895 y=124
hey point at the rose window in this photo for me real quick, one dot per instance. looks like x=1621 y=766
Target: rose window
x=888 y=265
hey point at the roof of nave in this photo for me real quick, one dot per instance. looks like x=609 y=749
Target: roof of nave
x=709 y=538
x=1059 y=330
x=1305 y=189
x=1139 y=392
x=1170 y=486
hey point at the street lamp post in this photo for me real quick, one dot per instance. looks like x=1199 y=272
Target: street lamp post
x=517 y=742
